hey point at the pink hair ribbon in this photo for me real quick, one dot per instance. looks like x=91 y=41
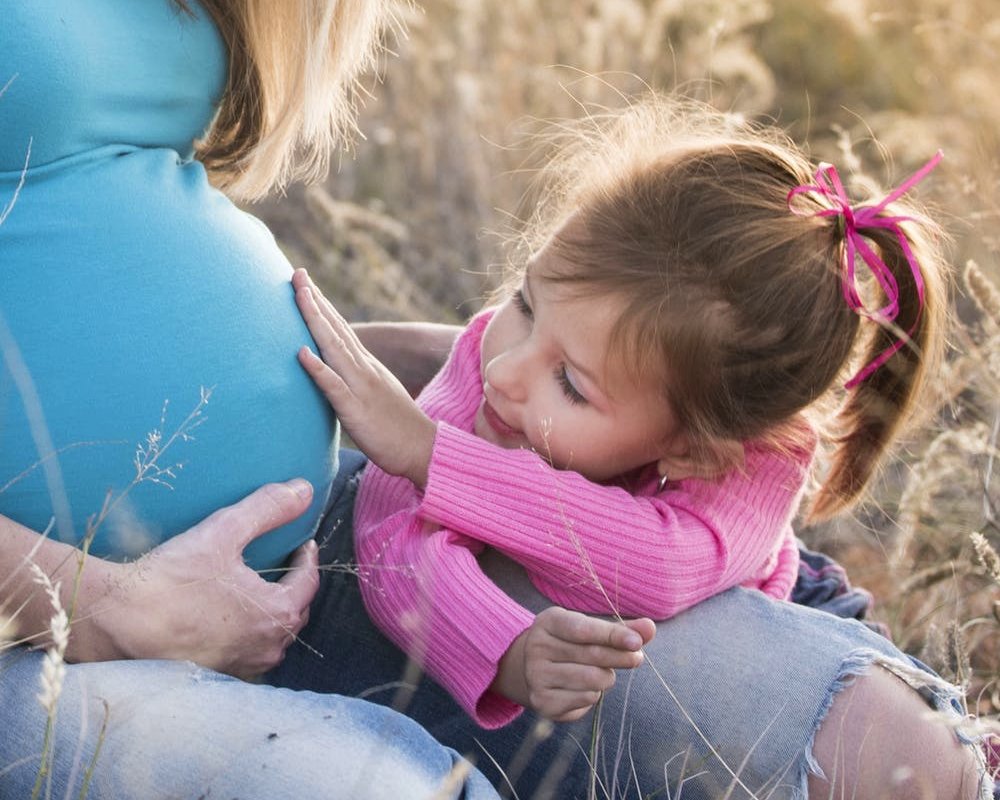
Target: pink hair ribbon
x=855 y=220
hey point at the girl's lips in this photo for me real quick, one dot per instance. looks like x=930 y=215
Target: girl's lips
x=496 y=423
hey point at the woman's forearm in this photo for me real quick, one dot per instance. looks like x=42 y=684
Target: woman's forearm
x=192 y=597
x=84 y=583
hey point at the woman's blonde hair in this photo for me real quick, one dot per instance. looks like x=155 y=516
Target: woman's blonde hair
x=291 y=95
x=737 y=303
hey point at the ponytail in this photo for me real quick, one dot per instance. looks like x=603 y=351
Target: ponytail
x=735 y=259
x=905 y=344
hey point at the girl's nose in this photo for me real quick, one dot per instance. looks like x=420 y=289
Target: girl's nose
x=506 y=373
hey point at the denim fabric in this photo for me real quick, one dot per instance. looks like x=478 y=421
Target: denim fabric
x=823 y=584
x=727 y=703
x=174 y=730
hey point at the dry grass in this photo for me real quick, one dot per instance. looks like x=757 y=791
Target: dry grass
x=412 y=225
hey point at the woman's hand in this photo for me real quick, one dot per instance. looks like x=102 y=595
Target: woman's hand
x=194 y=598
x=561 y=664
x=372 y=405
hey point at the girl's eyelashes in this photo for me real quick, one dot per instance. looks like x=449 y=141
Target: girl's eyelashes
x=522 y=304
x=562 y=377
x=571 y=392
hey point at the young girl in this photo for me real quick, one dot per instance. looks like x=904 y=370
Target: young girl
x=635 y=422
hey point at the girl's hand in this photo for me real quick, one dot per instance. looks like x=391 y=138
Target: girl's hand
x=413 y=351
x=561 y=664
x=372 y=405
x=194 y=598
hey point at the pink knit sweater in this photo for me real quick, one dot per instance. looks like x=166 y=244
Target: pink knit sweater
x=624 y=548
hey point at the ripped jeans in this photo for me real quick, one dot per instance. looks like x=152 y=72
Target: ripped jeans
x=726 y=704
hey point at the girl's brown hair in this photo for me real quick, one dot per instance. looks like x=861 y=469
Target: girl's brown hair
x=736 y=302
x=292 y=87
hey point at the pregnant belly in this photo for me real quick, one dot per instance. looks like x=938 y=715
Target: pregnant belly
x=148 y=335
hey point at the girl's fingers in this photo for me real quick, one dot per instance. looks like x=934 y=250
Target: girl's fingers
x=566 y=706
x=593 y=655
x=576 y=628
x=335 y=341
x=574 y=678
x=338 y=392
x=303 y=280
x=325 y=377
x=325 y=308
x=644 y=626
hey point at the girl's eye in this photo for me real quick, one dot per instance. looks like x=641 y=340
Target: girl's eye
x=522 y=304
x=571 y=392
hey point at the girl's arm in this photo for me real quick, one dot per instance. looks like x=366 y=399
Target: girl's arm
x=426 y=591
x=600 y=548
x=190 y=598
x=423 y=586
x=587 y=546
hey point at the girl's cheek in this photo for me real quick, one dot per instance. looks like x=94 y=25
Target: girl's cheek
x=547 y=426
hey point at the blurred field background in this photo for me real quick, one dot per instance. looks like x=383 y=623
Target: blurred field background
x=411 y=226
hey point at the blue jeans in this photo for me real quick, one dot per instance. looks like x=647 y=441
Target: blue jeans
x=161 y=729
x=145 y=730
x=727 y=703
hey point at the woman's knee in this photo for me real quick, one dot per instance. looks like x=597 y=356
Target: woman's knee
x=880 y=739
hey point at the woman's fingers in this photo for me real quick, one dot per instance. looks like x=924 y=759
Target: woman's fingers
x=197 y=599
x=267 y=508
x=301 y=580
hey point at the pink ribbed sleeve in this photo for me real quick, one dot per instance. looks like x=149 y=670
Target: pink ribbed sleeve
x=604 y=550
x=424 y=589
x=590 y=547
x=421 y=583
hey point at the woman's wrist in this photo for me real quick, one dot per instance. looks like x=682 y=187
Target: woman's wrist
x=96 y=595
x=83 y=584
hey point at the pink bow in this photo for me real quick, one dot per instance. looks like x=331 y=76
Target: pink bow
x=829 y=186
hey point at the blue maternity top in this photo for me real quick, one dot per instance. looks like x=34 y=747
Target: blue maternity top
x=148 y=329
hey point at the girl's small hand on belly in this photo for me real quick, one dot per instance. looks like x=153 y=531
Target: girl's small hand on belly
x=373 y=405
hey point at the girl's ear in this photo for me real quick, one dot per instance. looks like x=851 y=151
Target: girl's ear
x=681 y=462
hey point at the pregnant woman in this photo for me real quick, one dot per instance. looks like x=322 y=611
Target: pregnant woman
x=148 y=377
x=151 y=403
